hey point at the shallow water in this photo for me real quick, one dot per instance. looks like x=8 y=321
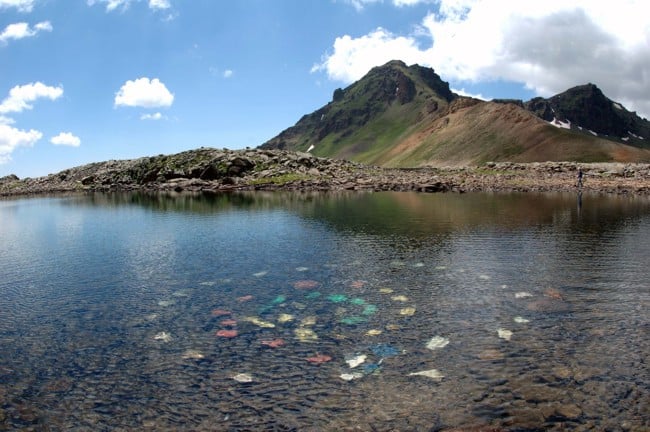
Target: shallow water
x=111 y=306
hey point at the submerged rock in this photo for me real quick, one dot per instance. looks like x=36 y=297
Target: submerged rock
x=243 y=378
x=356 y=360
x=305 y=284
x=274 y=343
x=192 y=355
x=351 y=376
x=319 y=358
x=284 y=318
x=408 y=311
x=374 y=332
x=437 y=342
x=163 y=336
x=305 y=334
x=227 y=333
x=220 y=312
x=431 y=373
x=259 y=322
x=384 y=350
x=504 y=334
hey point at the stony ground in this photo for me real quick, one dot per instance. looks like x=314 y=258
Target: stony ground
x=208 y=169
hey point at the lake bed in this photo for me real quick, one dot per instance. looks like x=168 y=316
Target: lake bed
x=299 y=311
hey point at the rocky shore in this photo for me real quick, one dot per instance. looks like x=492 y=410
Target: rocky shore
x=215 y=170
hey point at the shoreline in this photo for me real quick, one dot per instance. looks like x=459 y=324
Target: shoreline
x=212 y=170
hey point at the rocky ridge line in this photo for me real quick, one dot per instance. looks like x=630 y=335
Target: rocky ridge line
x=214 y=170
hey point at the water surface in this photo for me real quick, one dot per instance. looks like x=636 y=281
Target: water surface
x=534 y=307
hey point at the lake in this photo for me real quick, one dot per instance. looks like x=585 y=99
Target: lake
x=308 y=311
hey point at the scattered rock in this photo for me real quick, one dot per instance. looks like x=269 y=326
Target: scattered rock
x=207 y=169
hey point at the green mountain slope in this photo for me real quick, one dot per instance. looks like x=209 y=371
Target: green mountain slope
x=406 y=116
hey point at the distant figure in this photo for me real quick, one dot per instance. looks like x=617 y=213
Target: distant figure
x=579 y=184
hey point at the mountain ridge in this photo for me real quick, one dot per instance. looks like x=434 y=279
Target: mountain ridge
x=407 y=116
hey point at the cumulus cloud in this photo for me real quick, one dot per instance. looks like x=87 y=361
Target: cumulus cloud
x=154 y=116
x=12 y=138
x=228 y=73
x=548 y=46
x=144 y=93
x=20 y=5
x=66 y=139
x=23 y=30
x=21 y=97
x=353 y=57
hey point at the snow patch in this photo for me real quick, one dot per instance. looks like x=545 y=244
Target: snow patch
x=593 y=133
x=559 y=123
x=625 y=138
x=635 y=136
x=617 y=105
x=311 y=147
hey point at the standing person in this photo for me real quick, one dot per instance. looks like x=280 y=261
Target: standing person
x=579 y=184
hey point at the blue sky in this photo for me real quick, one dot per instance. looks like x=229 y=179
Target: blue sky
x=91 y=80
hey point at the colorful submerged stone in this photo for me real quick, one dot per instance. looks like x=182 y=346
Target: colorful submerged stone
x=284 y=318
x=228 y=323
x=353 y=320
x=305 y=334
x=384 y=350
x=374 y=332
x=274 y=343
x=305 y=284
x=259 y=322
x=244 y=298
x=407 y=311
x=337 y=298
x=319 y=358
x=227 y=333
x=279 y=299
x=220 y=312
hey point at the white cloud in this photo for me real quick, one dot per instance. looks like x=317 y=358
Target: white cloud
x=354 y=57
x=11 y=138
x=144 y=93
x=22 y=30
x=228 y=73
x=402 y=3
x=123 y=5
x=66 y=139
x=111 y=5
x=548 y=46
x=360 y=4
x=159 y=4
x=154 y=116
x=20 y=5
x=21 y=97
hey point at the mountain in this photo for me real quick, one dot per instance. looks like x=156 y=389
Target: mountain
x=585 y=108
x=407 y=116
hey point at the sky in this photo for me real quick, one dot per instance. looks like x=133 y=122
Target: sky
x=86 y=81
